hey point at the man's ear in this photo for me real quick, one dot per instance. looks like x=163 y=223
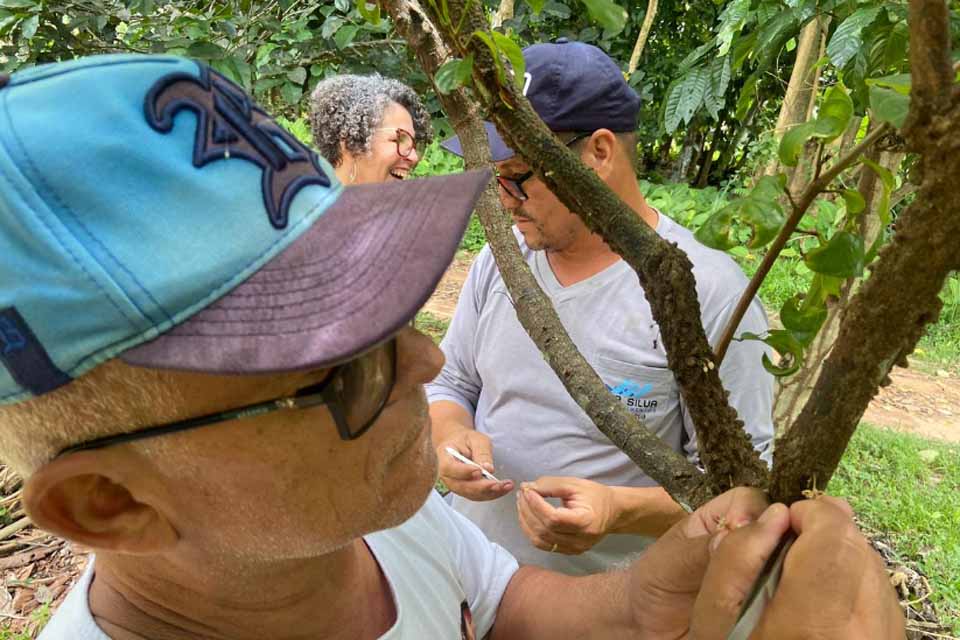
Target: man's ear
x=74 y=498
x=600 y=151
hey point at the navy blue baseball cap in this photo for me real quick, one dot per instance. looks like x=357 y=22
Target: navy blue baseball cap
x=150 y=211
x=573 y=86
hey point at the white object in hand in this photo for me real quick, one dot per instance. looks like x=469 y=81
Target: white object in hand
x=464 y=459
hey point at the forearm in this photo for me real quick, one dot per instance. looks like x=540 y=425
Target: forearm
x=644 y=511
x=543 y=604
x=447 y=418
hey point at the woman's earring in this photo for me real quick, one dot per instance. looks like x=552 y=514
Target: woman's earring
x=353 y=172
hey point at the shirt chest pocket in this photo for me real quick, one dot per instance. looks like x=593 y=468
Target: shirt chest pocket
x=650 y=393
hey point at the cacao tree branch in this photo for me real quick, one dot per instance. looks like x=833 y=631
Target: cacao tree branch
x=887 y=317
x=679 y=477
x=664 y=271
x=799 y=209
x=648 y=18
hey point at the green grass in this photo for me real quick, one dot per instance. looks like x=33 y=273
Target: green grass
x=910 y=488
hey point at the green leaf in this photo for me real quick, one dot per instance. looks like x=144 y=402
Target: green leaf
x=514 y=54
x=345 y=35
x=791 y=146
x=801 y=319
x=716 y=231
x=557 y=9
x=494 y=52
x=205 y=51
x=854 y=200
x=731 y=22
x=609 y=14
x=835 y=113
x=263 y=53
x=889 y=105
x=18 y=4
x=899 y=82
x=671 y=106
x=773 y=35
x=453 y=74
x=331 y=26
x=842 y=257
x=292 y=93
x=28 y=28
x=785 y=344
x=297 y=75
x=715 y=95
x=692 y=91
x=848 y=37
x=370 y=15
x=536 y=6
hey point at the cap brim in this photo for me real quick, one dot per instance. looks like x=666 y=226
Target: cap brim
x=353 y=279
x=499 y=150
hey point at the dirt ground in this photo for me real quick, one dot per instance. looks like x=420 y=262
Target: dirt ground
x=925 y=404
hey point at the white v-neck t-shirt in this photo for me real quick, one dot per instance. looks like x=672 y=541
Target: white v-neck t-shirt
x=447 y=580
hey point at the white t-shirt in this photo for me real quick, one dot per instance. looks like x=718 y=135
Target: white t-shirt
x=447 y=580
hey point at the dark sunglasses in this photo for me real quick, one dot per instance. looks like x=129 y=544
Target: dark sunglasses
x=514 y=186
x=355 y=393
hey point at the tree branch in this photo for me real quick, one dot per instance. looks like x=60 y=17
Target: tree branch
x=648 y=18
x=887 y=317
x=664 y=270
x=681 y=479
x=799 y=210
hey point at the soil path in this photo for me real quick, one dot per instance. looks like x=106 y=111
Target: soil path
x=916 y=402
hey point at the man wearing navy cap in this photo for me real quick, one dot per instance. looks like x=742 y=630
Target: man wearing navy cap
x=207 y=376
x=498 y=402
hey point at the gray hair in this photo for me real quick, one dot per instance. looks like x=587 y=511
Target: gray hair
x=348 y=108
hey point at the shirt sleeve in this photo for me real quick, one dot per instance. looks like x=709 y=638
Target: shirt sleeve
x=459 y=380
x=485 y=568
x=750 y=385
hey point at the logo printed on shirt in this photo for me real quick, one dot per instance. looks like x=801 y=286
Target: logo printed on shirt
x=632 y=393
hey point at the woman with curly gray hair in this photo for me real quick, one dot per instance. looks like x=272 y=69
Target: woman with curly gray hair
x=368 y=127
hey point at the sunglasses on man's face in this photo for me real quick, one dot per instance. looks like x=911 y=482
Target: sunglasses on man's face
x=514 y=185
x=405 y=141
x=355 y=393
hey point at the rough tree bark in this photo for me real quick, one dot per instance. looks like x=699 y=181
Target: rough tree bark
x=648 y=18
x=888 y=315
x=664 y=270
x=679 y=477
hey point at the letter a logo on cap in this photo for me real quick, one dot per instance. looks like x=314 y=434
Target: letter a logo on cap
x=229 y=125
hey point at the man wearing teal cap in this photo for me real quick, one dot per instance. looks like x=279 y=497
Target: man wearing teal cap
x=207 y=376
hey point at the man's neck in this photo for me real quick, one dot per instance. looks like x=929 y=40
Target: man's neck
x=589 y=255
x=343 y=594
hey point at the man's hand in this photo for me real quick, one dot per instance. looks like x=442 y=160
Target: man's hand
x=466 y=480
x=833 y=584
x=588 y=513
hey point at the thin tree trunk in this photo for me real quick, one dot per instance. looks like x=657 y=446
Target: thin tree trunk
x=648 y=18
x=706 y=162
x=796 y=101
x=504 y=13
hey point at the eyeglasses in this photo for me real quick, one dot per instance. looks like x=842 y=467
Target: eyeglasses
x=355 y=393
x=514 y=186
x=406 y=142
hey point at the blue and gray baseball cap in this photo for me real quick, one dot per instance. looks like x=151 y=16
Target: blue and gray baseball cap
x=149 y=210
x=573 y=86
